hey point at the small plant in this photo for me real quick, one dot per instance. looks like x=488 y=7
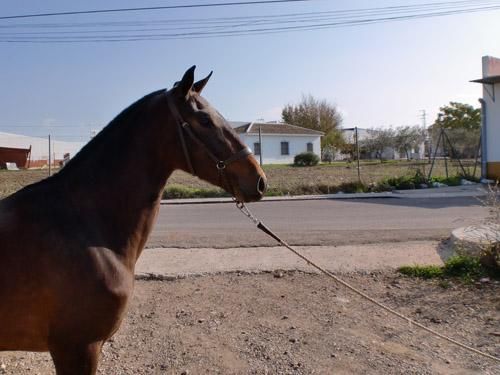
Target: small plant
x=184 y=192
x=468 y=268
x=464 y=267
x=425 y=272
x=306 y=159
x=353 y=187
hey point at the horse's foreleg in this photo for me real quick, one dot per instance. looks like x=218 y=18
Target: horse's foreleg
x=80 y=359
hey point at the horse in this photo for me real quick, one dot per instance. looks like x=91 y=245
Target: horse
x=69 y=243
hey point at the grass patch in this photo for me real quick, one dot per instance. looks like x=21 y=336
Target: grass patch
x=464 y=267
x=424 y=272
x=185 y=192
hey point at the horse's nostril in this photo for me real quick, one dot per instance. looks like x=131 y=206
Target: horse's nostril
x=261 y=185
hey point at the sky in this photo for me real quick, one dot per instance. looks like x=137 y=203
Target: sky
x=378 y=75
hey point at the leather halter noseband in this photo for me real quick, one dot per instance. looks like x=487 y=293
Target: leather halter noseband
x=183 y=126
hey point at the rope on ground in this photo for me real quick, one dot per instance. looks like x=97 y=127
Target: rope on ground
x=241 y=206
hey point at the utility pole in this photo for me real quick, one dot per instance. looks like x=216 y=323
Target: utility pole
x=357 y=150
x=50 y=158
x=423 y=117
x=260 y=146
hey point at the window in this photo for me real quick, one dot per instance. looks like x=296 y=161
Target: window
x=310 y=147
x=256 y=148
x=284 y=148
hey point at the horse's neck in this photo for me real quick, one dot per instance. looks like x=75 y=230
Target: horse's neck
x=119 y=186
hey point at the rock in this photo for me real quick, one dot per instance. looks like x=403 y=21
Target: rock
x=463 y=181
x=484 y=280
x=278 y=274
x=438 y=184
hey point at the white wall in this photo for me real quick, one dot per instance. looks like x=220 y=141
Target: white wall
x=491 y=67
x=40 y=146
x=271 y=146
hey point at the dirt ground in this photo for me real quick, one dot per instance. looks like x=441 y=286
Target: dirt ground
x=295 y=324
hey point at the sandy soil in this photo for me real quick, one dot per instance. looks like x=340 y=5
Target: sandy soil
x=295 y=324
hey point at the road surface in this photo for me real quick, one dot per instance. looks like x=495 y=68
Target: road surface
x=324 y=222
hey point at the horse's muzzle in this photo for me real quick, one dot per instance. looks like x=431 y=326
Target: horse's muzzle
x=261 y=186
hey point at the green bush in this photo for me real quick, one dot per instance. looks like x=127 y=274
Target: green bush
x=306 y=159
x=353 y=187
x=183 y=192
x=425 y=272
x=465 y=267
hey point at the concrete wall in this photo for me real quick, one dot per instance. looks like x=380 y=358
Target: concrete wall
x=491 y=96
x=271 y=146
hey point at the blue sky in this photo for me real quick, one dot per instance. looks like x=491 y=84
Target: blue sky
x=378 y=75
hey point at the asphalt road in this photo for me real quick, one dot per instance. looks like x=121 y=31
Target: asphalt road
x=324 y=222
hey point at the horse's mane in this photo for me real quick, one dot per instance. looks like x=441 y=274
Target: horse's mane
x=109 y=141
x=113 y=136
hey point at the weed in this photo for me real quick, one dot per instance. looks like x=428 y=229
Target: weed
x=425 y=272
x=464 y=267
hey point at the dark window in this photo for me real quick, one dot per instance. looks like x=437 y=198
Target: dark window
x=284 y=148
x=256 y=148
x=310 y=147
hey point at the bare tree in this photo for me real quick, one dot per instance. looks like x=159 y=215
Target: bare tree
x=378 y=141
x=315 y=114
x=408 y=138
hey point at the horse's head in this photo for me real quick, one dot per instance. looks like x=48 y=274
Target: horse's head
x=211 y=149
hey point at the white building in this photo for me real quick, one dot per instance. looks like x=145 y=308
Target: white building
x=280 y=142
x=490 y=117
x=40 y=146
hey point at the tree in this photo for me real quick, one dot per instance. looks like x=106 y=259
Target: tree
x=462 y=123
x=459 y=116
x=315 y=114
x=377 y=141
x=408 y=138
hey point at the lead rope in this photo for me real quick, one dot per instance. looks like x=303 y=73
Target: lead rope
x=244 y=209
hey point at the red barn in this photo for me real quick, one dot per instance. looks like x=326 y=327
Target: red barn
x=20 y=156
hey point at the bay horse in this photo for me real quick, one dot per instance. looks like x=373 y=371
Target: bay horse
x=69 y=243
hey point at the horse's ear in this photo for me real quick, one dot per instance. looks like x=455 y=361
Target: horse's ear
x=198 y=86
x=186 y=83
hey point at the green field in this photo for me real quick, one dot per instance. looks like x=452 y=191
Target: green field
x=283 y=179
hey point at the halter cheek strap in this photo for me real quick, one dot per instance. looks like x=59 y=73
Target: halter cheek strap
x=183 y=126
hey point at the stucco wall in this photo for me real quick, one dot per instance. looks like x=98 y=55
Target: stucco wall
x=271 y=146
x=491 y=67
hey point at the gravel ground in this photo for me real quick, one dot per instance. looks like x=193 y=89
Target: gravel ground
x=295 y=323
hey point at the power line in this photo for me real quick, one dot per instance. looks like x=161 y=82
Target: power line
x=233 y=22
x=140 y=9
x=277 y=26
x=223 y=20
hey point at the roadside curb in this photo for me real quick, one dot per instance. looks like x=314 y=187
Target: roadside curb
x=448 y=192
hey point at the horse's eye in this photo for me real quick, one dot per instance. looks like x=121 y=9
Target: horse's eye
x=205 y=121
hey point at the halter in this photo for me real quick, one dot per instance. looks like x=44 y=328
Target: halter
x=183 y=126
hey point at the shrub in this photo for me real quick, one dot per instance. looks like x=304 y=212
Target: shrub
x=306 y=159
x=183 y=192
x=464 y=267
x=425 y=272
x=353 y=187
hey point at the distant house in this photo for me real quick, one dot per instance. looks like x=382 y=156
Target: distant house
x=280 y=141
x=490 y=118
x=39 y=149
